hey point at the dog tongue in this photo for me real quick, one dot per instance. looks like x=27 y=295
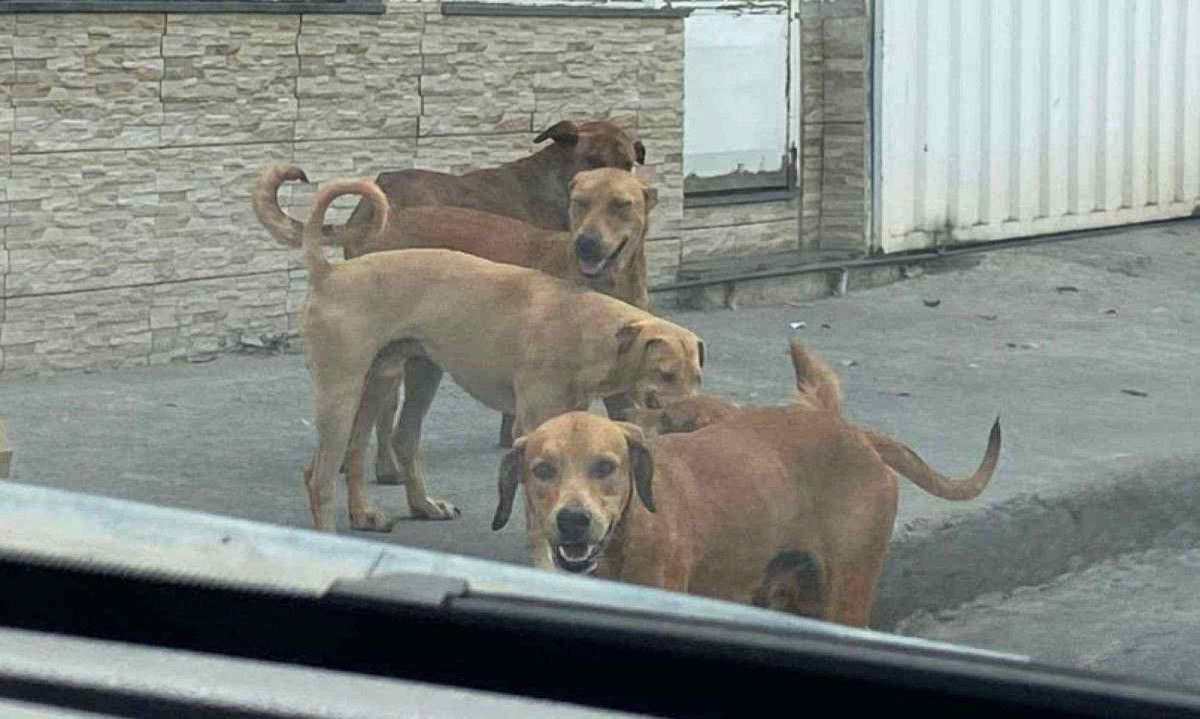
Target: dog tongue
x=592 y=268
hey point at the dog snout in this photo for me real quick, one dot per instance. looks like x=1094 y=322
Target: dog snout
x=588 y=246
x=573 y=524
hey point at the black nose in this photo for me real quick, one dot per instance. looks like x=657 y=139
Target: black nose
x=587 y=246
x=573 y=524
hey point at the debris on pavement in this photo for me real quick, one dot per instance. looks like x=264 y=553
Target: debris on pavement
x=1063 y=289
x=932 y=303
x=797 y=325
x=1136 y=392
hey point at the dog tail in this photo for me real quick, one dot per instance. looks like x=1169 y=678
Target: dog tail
x=904 y=460
x=314 y=257
x=285 y=229
x=816 y=382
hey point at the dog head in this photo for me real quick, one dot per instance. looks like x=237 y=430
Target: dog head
x=660 y=361
x=687 y=414
x=580 y=472
x=609 y=211
x=596 y=143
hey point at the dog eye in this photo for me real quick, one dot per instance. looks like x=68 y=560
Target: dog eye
x=667 y=377
x=603 y=468
x=544 y=471
x=620 y=205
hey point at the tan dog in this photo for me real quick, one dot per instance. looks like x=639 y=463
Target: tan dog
x=558 y=347
x=604 y=249
x=715 y=506
x=532 y=189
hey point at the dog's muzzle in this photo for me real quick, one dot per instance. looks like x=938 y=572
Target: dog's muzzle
x=574 y=552
x=589 y=250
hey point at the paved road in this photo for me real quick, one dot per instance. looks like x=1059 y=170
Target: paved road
x=1049 y=338
x=1135 y=615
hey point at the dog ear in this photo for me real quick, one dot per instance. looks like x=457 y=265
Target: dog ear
x=639 y=152
x=511 y=468
x=651 y=196
x=566 y=132
x=641 y=462
x=628 y=334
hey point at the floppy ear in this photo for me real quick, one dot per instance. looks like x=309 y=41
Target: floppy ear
x=510 y=478
x=565 y=131
x=641 y=462
x=651 y=196
x=628 y=334
x=639 y=152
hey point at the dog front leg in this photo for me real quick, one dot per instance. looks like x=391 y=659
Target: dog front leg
x=421 y=380
x=506 y=431
x=387 y=469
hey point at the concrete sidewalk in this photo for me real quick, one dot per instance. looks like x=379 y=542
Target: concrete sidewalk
x=1089 y=350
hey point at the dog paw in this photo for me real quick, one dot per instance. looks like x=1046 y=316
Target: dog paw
x=389 y=479
x=372 y=520
x=435 y=509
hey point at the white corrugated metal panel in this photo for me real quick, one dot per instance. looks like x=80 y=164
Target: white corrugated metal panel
x=1006 y=118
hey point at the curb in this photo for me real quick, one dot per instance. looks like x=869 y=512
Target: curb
x=1032 y=539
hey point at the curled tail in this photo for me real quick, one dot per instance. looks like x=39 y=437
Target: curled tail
x=318 y=266
x=816 y=382
x=904 y=460
x=286 y=230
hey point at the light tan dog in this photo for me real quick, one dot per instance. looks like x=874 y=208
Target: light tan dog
x=556 y=347
x=604 y=249
x=715 y=506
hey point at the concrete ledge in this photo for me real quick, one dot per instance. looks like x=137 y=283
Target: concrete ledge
x=1031 y=539
x=290 y=7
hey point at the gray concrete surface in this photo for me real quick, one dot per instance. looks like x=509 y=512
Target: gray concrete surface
x=1135 y=615
x=1049 y=338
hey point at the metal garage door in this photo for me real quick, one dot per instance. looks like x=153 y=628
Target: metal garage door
x=1006 y=118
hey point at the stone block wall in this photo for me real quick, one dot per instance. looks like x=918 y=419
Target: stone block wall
x=835 y=126
x=129 y=144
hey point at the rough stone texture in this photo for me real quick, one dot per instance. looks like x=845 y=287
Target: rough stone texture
x=130 y=143
x=835 y=125
x=742 y=240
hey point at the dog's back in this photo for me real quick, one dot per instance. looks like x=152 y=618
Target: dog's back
x=492 y=237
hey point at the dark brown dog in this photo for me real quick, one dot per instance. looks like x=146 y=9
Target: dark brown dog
x=714 y=507
x=533 y=189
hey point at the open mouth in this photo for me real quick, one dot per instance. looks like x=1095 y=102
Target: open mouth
x=577 y=558
x=595 y=267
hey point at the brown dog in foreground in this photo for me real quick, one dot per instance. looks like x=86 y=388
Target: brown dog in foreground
x=716 y=506
x=533 y=189
x=555 y=348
